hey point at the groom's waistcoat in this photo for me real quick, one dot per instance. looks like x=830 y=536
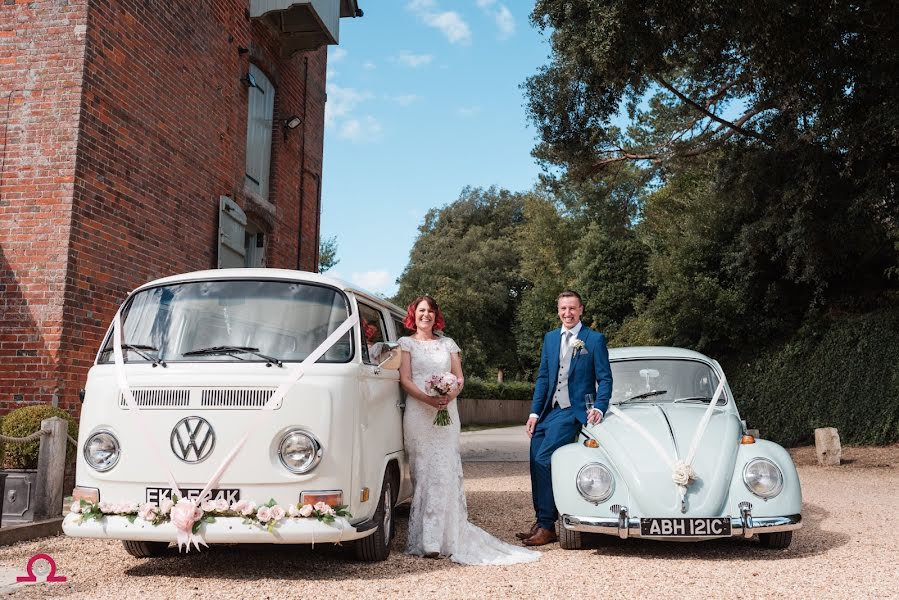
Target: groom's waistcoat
x=561 y=396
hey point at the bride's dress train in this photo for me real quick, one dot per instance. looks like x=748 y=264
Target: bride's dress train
x=438 y=520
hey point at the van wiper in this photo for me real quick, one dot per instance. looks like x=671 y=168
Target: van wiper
x=211 y=350
x=646 y=395
x=139 y=350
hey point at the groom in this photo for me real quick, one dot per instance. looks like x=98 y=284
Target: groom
x=574 y=362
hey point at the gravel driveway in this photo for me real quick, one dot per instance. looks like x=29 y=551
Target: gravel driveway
x=847 y=548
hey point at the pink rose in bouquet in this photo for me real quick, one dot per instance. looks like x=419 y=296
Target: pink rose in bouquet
x=441 y=384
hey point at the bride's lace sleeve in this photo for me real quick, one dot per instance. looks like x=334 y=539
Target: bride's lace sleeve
x=405 y=343
x=450 y=345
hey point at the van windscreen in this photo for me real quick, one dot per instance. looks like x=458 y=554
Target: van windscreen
x=233 y=321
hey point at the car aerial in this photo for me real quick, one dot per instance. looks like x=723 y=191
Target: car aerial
x=671 y=460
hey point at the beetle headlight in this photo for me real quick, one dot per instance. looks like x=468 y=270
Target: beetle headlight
x=101 y=451
x=299 y=451
x=763 y=478
x=595 y=482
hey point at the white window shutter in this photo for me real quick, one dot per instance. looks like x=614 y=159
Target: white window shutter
x=260 y=116
x=232 y=227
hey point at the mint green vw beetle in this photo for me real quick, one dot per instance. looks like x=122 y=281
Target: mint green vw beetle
x=671 y=460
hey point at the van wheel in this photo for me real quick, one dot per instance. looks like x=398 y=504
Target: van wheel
x=144 y=549
x=376 y=547
x=776 y=541
x=570 y=539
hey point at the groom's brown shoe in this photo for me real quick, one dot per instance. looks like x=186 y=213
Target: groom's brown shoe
x=542 y=537
x=525 y=535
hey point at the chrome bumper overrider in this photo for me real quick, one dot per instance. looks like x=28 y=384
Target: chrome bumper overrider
x=624 y=526
x=224 y=530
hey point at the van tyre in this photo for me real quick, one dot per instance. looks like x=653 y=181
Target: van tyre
x=570 y=539
x=376 y=547
x=776 y=541
x=144 y=549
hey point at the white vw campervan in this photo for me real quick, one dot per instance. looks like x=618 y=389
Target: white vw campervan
x=206 y=388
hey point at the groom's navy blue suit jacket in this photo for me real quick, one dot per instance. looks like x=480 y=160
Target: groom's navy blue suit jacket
x=589 y=373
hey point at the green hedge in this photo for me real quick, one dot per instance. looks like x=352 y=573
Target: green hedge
x=840 y=372
x=478 y=389
x=24 y=421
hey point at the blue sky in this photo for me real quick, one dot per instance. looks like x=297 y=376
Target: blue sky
x=423 y=99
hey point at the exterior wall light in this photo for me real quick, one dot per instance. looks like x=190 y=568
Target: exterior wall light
x=291 y=122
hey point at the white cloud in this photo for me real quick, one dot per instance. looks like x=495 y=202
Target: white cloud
x=468 y=111
x=449 y=22
x=501 y=15
x=342 y=101
x=404 y=99
x=336 y=54
x=361 y=130
x=375 y=280
x=414 y=60
x=369 y=65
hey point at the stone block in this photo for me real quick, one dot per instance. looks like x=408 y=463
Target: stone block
x=827 y=446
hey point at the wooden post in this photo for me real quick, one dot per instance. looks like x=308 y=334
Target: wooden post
x=51 y=464
x=827 y=446
x=499 y=375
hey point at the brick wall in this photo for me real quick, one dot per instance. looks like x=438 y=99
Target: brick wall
x=161 y=136
x=41 y=61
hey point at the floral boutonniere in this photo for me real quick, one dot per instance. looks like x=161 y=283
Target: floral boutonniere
x=578 y=347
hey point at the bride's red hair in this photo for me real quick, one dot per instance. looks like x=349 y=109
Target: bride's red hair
x=409 y=321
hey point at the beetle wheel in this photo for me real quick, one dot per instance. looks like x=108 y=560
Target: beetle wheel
x=776 y=541
x=569 y=539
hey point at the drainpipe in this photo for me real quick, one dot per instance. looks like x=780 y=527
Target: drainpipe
x=302 y=166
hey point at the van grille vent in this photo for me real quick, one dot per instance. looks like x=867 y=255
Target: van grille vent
x=236 y=398
x=158 y=398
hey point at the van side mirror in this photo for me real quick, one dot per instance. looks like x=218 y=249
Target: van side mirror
x=390 y=356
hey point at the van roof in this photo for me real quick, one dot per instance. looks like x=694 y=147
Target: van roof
x=280 y=274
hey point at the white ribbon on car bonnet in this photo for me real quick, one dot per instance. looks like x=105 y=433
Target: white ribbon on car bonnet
x=190 y=508
x=682 y=472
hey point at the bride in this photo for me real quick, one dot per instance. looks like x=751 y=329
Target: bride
x=438 y=520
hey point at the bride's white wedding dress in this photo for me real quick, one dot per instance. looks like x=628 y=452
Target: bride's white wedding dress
x=438 y=520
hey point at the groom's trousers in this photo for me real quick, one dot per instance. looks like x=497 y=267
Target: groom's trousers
x=555 y=429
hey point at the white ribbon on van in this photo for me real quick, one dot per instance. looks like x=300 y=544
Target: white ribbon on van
x=186 y=512
x=682 y=472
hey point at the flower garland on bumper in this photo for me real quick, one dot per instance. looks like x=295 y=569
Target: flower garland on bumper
x=187 y=515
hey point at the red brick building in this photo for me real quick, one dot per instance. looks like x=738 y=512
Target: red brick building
x=142 y=138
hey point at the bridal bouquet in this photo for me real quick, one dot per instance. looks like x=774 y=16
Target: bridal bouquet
x=441 y=385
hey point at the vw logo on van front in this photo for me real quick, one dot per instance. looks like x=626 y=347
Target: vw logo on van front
x=193 y=439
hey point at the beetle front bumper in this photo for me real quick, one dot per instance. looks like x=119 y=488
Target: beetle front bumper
x=625 y=527
x=225 y=530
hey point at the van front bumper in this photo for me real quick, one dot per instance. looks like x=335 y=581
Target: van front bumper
x=225 y=530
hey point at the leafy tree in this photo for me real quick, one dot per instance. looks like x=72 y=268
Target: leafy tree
x=327 y=254
x=545 y=242
x=465 y=257
x=768 y=135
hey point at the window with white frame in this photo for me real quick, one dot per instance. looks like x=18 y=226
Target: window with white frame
x=260 y=115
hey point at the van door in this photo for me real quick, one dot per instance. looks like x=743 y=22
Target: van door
x=382 y=410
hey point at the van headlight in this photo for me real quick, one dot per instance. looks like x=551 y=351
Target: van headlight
x=102 y=451
x=299 y=451
x=595 y=482
x=763 y=478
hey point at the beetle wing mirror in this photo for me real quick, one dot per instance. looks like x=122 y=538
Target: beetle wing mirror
x=390 y=356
